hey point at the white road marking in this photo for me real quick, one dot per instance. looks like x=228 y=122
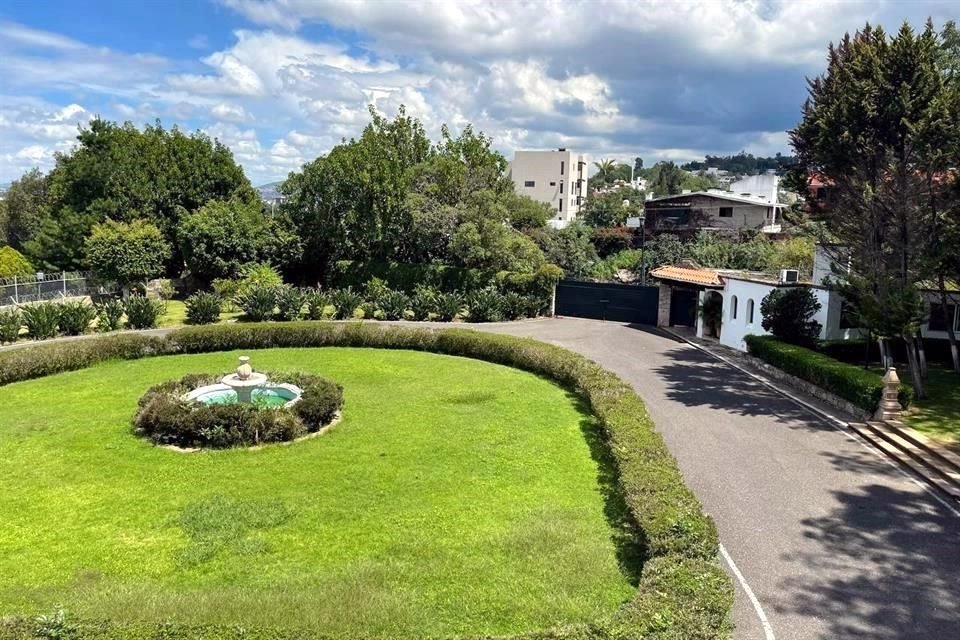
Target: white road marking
x=827 y=418
x=767 y=629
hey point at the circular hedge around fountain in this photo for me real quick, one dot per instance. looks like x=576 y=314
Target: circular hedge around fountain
x=166 y=417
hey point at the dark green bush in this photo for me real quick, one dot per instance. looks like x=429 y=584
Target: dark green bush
x=258 y=301
x=405 y=277
x=142 y=312
x=41 y=319
x=393 y=304
x=423 y=302
x=203 y=308
x=345 y=301
x=164 y=417
x=862 y=387
x=449 y=306
x=109 y=314
x=317 y=301
x=514 y=305
x=682 y=591
x=485 y=305
x=788 y=314
x=290 y=301
x=10 y=323
x=75 y=317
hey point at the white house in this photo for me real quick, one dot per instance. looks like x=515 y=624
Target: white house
x=558 y=178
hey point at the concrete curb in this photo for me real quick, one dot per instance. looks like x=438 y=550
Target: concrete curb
x=918 y=476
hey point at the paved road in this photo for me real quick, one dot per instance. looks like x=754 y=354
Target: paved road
x=833 y=540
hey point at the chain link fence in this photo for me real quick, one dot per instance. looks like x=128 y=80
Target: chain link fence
x=47 y=286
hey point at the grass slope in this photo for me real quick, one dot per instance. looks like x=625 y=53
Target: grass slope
x=456 y=496
x=939 y=413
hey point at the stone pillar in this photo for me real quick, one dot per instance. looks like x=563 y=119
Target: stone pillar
x=663 y=307
x=890 y=408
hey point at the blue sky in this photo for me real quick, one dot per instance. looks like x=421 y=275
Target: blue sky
x=281 y=81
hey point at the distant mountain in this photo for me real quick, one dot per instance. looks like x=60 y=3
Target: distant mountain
x=270 y=192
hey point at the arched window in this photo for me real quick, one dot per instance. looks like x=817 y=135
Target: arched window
x=750 y=311
x=733 y=308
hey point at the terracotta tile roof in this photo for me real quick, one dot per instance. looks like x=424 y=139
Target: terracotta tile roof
x=705 y=277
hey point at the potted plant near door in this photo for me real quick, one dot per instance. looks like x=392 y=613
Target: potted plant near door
x=711 y=310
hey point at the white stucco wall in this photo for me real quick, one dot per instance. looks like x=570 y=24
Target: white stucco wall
x=736 y=328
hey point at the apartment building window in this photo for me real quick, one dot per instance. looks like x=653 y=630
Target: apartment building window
x=726 y=212
x=553 y=184
x=561 y=167
x=529 y=183
x=561 y=187
x=561 y=205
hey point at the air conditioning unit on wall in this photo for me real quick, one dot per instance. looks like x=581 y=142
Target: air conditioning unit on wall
x=789 y=276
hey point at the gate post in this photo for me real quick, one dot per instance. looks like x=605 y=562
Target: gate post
x=553 y=301
x=663 y=305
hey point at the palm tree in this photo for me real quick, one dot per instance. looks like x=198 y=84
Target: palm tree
x=604 y=169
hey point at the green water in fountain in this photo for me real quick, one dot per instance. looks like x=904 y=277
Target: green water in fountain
x=265 y=397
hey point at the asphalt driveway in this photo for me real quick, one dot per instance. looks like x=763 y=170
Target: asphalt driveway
x=833 y=540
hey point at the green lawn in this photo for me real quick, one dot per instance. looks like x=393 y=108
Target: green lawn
x=455 y=496
x=939 y=413
x=176 y=314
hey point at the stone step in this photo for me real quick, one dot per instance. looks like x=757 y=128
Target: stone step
x=931 y=446
x=898 y=450
x=919 y=454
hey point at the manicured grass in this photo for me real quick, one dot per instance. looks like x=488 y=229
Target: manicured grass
x=939 y=413
x=456 y=496
x=176 y=314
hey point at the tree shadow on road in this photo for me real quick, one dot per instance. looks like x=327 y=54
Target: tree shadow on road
x=695 y=379
x=887 y=565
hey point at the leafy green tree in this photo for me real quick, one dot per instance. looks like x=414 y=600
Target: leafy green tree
x=637 y=165
x=666 y=179
x=26 y=204
x=570 y=248
x=611 y=209
x=13 y=263
x=121 y=173
x=605 y=168
x=880 y=125
x=484 y=240
x=127 y=253
x=221 y=237
x=788 y=314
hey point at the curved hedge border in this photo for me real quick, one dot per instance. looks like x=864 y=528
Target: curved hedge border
x=682 y=592
x=164 y=417
x=862 y=387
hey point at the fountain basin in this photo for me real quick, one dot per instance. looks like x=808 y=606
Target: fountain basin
x=265 y=395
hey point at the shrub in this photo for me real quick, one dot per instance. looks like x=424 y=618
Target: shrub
x=788 y=314
x=514 y=305
x=75 y=317
x=393 y=304
x=290 y=301
x=10 y=323
x=682 y=591
x=485 y=305
x=142 y=312
x=862 y=387
x=259 y=275
x=13 y=263
x=375 y=289
x=449 y=306
x=317 y=302
x=423 y=303
x=41 y=319
x=345 y=302
x=165 y=417
x=610 y=240
x=57 y=357
x=227 y=289
x=203 y=308
x=258 y=301
x=109 y=314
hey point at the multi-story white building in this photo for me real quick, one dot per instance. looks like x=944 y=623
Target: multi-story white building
x=558 y=178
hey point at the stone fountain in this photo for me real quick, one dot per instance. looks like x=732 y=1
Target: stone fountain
x=246 y=386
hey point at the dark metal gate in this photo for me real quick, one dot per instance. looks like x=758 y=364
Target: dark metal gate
x=683 y=307
x=608 y=301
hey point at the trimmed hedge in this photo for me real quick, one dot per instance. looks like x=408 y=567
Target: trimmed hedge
x=860 y=386
x=682 y=591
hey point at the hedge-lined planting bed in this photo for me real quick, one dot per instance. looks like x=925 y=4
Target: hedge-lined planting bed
x=682 y=591
x=863 y=388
